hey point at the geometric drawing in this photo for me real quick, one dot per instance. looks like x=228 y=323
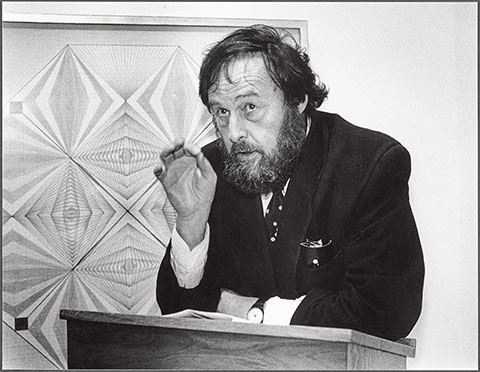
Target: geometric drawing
x=32 y=279
x=66 y=101
x=121 y=156
x=169 y=100
x=85 y=223
x=29 y=158
x=154 y=211
x=127 y=257
x=30 y=271
x=70 y=214
x=124 y=67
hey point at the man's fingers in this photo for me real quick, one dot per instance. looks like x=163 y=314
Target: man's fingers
x=159 y=170
x=202 y=162
x=171 y=147
x=180 y=150
x=192 y=149
x=168 y=154
x=177 y=150
x=173 y=151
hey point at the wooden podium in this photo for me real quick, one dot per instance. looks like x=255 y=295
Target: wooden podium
x=102 y=340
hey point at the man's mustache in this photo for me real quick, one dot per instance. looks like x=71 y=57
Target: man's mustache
x=242 y=147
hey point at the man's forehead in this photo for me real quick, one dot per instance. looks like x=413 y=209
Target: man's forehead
x=246 y=73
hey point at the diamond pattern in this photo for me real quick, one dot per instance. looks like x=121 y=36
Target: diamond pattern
x=122 y=156
x=68 y=100
x=85 y=223
x=71 y=214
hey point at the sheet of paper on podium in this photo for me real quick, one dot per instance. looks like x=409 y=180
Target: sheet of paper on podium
x=199 y=314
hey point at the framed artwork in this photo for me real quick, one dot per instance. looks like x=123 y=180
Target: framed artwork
x=89 y=102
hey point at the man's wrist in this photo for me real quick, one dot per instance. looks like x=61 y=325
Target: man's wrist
x=192 y=228
x=188 y=263
x=234 y=304
x=256 y=314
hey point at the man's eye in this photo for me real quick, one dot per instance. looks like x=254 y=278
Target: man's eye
x=221 y=113
x=249 y=107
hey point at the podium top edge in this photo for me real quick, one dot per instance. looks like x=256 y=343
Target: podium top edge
x=404 y=348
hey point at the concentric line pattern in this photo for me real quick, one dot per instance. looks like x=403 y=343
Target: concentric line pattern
x=85 y=224
x=168 y=100
x=121 y=156
x=124 y=68
x=125 y=261
x=67 y=100
x=155 y=212
x=71 y=214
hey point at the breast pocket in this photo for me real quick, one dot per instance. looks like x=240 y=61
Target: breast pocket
x=321 y=264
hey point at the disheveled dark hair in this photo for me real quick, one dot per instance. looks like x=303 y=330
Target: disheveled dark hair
x=286 y=63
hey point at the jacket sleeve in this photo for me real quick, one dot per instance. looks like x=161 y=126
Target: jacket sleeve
x=172 y=298
x=384 y=269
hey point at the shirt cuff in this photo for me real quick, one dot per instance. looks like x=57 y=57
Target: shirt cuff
x=189 y=264
x=232 y=303
x=279 y=311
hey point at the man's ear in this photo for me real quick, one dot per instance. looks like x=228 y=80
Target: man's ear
x=302 y=105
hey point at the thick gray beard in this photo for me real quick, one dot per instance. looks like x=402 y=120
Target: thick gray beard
x=272 y=171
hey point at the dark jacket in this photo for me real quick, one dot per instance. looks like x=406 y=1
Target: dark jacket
x=350 y=187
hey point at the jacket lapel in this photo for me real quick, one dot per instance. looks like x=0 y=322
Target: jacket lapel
x=297 y=209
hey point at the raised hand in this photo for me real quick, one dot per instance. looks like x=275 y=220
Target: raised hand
x=189 y=181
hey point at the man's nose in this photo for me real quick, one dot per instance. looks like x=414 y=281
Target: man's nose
x=236 y=128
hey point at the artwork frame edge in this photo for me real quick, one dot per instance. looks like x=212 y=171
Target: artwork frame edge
x=66 y=20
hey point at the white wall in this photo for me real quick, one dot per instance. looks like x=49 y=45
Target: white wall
x=410 y=70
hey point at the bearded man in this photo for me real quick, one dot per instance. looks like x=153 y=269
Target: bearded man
x=293 y=216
